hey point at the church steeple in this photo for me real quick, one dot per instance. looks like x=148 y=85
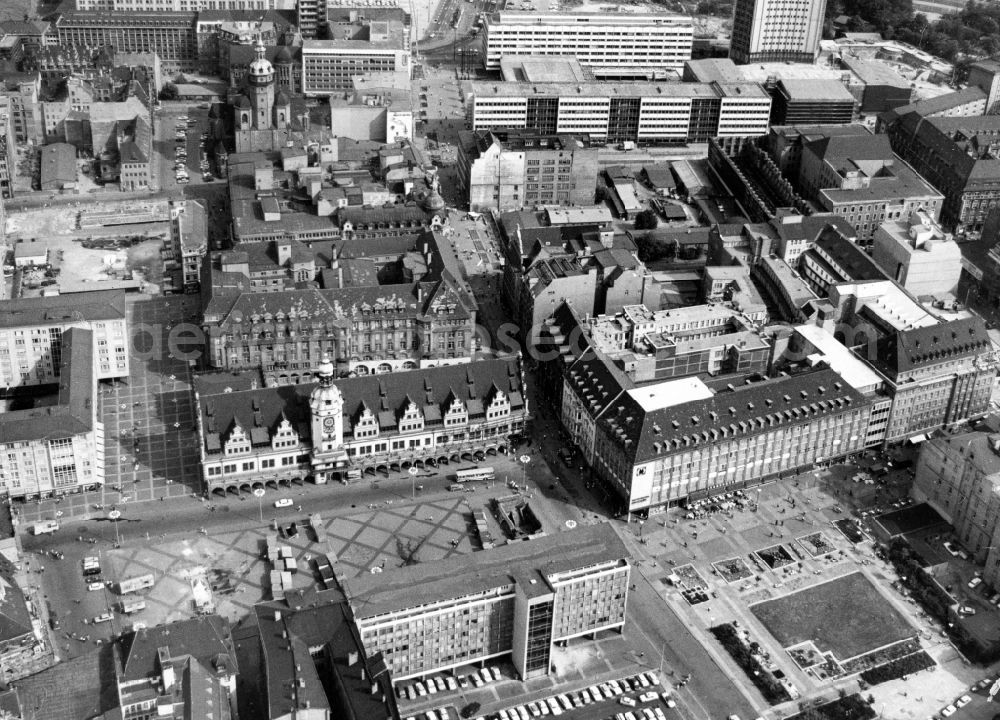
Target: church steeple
x=260 y=77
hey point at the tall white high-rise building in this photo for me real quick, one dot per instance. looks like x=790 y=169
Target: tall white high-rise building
x=776 y=30
x=622 y=40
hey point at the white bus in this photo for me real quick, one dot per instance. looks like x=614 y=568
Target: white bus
x=475 y=474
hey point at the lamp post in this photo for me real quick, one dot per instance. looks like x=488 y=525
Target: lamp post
x=113 y=516
x=413 y=482
x=524 y=460
x=259 y=493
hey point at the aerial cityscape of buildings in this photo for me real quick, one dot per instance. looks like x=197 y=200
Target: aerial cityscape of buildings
x=372 y=360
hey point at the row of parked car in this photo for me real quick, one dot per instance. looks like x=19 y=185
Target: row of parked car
x=645 y=684
x=448 y=683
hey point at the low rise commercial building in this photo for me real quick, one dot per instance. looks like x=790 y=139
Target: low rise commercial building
x=516 y=601
x=959 y=476
x=919 y=255
x=620 y=112
x=328 y=66
x=58 y=170
x=508 y=170
x=340 y=429
x=596 y=40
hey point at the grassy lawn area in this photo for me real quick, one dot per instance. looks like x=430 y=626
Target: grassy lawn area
x=847 y=616
x=909 y=519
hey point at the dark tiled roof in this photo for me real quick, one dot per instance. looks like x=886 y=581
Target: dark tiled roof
x=205 y=638
x=920 y=347
x=855 y=262
x=392 y=215
x=94 y=307
x=387 y=393
x=940 y=103
x=415 y=585
x=743 y=412
x=289 y=661
x=130 y=153
x=15 y=621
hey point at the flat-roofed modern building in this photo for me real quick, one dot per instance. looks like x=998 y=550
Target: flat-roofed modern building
x=518 y=600
x=812 y=102
x=617 y=112
x=328 y=66
x=917 y=254
x=31 y=331
x=510 y=170
x=596 y=40
x=776 y=30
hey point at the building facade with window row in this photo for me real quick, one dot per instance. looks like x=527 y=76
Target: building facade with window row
x=57 y=449
x=959 y=476
x=618 y=112
x=516 y=601
x=171 y=35
x=252 y=436
x=31 y=330
x=605 y=40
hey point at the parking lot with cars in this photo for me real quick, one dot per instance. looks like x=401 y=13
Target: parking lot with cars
x=636 y=697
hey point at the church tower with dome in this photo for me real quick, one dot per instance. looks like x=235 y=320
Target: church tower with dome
x=326 y=409
x=260 y=80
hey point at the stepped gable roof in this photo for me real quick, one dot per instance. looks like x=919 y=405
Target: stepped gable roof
x=385 y=395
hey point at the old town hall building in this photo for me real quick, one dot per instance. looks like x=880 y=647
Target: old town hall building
x=340 y=429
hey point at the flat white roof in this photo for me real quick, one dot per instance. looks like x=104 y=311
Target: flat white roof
x=670 y=393
x=888 y=301
x=854 y=372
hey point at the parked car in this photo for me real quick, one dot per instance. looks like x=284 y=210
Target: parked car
x=283 y=503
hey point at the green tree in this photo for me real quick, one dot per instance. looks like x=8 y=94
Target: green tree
x=646 y=220
x=168 y=92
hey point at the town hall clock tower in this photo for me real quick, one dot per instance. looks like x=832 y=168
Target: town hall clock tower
x=326 y=406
